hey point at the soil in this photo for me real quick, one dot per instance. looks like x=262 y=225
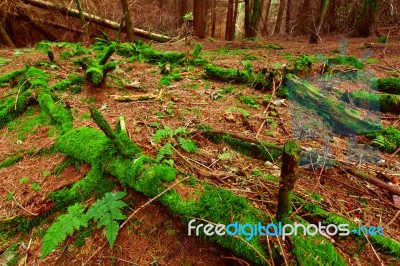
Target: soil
x=157 y=237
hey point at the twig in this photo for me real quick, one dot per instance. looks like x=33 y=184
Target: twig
x=266 y=109
x=22 y=207
x=394 y=218
x=241 y=262
x=134 y=213
x=373 y=249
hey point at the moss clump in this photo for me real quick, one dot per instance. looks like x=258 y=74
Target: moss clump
x=263 y=151
x=260 y=80
x=77 y=49
x=388 y=245
x=346 y=61
x=10 y=76
x=167 y=79
x=389 y=85
x=94 y=184
x=11 y=161
x=56 y=110
x=373 y=101
x=69 y=82
x=13 y=107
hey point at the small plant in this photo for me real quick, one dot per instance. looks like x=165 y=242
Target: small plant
x=23 y=180
x=10 y=195
x=250 y=102
x=188 y=16
x=46 y=173
x=382 y=39
x=242 y=111
x=36 y=187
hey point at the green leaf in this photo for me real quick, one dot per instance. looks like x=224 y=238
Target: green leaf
x=106 y=212
x=65 y=225
x=165 y=150
x=163 y=133
x=181 y=130
x=187 y=145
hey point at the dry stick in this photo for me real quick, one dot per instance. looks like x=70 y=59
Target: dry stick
x=394 y=218
x=373 y=249
x=239 y=237
x=22 y=207
x=266 y=109
x=19 y=90
x=135 y=212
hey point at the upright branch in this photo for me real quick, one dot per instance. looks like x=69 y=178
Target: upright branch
x=320 y=19
x=290 y=168
x=83 y=21
x=128 y=20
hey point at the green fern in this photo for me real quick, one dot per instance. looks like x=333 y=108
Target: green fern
x=65 y=225
x=163 y=133
x=165 y=150
x=106 y=212
x=379 y=141
x=187 y=145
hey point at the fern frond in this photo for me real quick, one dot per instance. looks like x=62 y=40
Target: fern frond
x=106 y=212
x=187 y=145
x=165 y=150
x=163 y=133
x=65 y=225
x=180 y=130
x=379 y=141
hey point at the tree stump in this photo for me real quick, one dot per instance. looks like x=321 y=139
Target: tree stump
x=290 y=167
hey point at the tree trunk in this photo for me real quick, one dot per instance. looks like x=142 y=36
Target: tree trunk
x=331 y=16
x=230 y=27
x=128 y=20
x=288 y=9
x=94 y=19
x=265 y=18
x=303 y=17
x=314 y=38
x=235 y=15
x=251 y=17
x=290 y=168
x=183 y=8
x=5 y=38
x=367 y=18
x=199 y=18
x=214 y=17
x=281 y=9
x=47 y=34
x=84 y=25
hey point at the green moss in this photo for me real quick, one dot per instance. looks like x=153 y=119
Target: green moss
x=10 y=256
x=347 y=61
x=10 y=76
x=258 y=81
x=383 y=102
x=382 y=39
x=94 y=184
x=264 y=151
x=250 y=102
x=197 y=50
x=69 y=82
x=77 y=49
x=387 y=138
x=56 y=110
x=11 y=161
x=167 y=79
x=13 y=107
x=388 y=85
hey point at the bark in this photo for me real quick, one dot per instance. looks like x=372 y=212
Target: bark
x=303 y=17
x=367 y=18
x=199 y=18
x=94 y=19
x=214 y=17
x=288 y=9
x=289 y=171
x=314 y=38
x=5 y=38
x=47 y=34
x=128 y=20
x=265 y=18
x=235 y=15
x=278 y=24
x=83 y=21
x=230 y=27
x=251 y=18
x=183 y=9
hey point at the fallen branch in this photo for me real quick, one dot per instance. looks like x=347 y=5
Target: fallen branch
x=94 y=19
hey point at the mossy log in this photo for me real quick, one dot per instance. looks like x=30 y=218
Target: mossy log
x=10 y=76
x=147 y=176
x=383 y=102
x=261 y=80
x=96 y=70
x=290 y=168
x=343 y=119
x=389 y=85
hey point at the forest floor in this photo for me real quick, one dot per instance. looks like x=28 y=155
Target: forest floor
x=155 y=236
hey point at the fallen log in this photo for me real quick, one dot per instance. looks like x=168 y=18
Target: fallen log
x=95 y=19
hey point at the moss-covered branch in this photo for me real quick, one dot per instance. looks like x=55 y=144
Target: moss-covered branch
x=383 y=102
